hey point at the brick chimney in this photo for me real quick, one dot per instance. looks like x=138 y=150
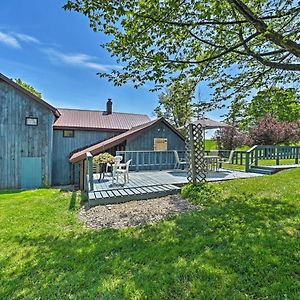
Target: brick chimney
x=109 y=107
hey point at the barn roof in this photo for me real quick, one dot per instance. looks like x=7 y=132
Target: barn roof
x=97 y=120
x=116 y=140
x=29 y=94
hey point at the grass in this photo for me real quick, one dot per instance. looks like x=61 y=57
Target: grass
x=210 y=145
x=261 y=162
x=243 y=244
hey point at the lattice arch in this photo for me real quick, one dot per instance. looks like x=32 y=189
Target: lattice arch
x=195 y=153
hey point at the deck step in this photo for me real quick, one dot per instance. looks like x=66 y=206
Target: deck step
x=262 y=170
x=127 y=194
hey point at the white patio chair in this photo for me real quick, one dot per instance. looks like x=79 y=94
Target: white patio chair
x=124 y=172
x=178 y=162
x=117 y=161
x=229 y=160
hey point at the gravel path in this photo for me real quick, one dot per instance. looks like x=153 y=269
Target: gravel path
x=134 y=213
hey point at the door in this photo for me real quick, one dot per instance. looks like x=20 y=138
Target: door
x=31 y=172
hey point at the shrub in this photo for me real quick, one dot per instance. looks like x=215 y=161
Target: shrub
x=230 y=138
x=200 y=193
x=270 y=131
x=103 y=158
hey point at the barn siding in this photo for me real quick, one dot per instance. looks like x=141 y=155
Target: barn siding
x=145 y=142
x=18 y=140
x=63 y=146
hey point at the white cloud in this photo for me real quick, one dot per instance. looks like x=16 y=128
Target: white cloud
x=77 y=59
x=26 y=38
x=9 y=40
x=15 y=39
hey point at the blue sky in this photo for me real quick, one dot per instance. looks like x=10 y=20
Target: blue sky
x=57 y=53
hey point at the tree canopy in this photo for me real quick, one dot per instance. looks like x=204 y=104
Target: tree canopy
x=176 y=103
x=235 y=45
x=282 y=104
x=28 y=87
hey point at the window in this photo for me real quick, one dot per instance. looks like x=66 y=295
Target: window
x=29 y=121
x=68 y=133
x=160 y=144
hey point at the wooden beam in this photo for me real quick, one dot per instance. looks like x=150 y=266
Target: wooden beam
x=81 y=175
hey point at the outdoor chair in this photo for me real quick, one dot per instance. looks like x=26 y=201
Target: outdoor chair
x=178 y=162
x=124 y=172
x=229 y=159
x=117 y=161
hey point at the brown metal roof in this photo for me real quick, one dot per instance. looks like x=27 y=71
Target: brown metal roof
x=97 y=120
x=29 y=94
x=116 y=140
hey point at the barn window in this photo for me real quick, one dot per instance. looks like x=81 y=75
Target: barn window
x=68 y=133
x=160 y=144
x=29 y=121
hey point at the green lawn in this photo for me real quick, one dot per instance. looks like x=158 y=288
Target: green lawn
x=261 y=162
x=210 y=145
x=243 y=244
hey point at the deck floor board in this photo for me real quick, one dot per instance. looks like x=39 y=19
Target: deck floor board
x=150 y=184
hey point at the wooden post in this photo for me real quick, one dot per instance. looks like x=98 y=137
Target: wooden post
x=247 y=163
x=81 y=175
x=256 y=157
x=277 y=155
x=192 y=149
x=90 y=183
x=137 y=161
x=297 y=155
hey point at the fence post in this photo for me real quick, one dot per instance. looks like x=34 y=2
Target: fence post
x=137 y=161
x=192 y=154
x=277 y=156
x=247 y=163
x=297 y=155
x=90 y=183
x=256 y=157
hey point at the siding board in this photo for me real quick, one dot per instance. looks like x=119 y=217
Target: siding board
x=146 y=141
x=19 y=140
x=63 y=146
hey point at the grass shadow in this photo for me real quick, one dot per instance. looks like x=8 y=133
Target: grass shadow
x=230 y=251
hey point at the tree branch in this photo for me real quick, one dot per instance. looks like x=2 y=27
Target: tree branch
x=263 y=28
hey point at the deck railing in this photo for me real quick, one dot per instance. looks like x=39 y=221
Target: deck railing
x=89 y=176
x=151 y=160
x=277 y=153
x=163 y=160
x=238 y=158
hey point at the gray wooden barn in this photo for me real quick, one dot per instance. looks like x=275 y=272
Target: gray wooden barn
x=42 y=145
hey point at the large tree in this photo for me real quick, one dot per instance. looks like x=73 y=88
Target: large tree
x=282 y=104
x=176 y=103
x=235 y=45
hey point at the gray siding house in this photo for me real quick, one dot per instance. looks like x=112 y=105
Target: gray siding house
x=42 y=145
x=26 y=137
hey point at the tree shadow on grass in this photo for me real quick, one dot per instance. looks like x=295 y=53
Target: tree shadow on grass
x=239 y=249
x=77 y=197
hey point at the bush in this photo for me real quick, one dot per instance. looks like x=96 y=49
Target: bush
x=103 y=158
x=230 y=138
x=270 y=131
x=201 y=193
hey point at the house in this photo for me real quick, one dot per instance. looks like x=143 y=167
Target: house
x=42 y=145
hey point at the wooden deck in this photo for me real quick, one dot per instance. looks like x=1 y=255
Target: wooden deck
x=150 y=184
